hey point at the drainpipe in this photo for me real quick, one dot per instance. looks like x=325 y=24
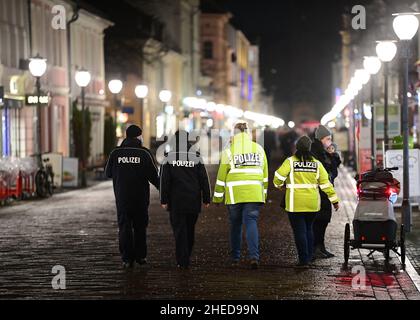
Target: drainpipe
x=30 y=27
x=73 y=19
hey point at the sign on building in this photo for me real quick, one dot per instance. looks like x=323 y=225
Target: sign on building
x=394 y=158
x=70 y=172
x=394 y=128
x=32 y=100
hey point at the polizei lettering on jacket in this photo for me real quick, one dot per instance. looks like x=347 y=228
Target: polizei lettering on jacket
x=247 y=159
x=305 y=166
x=128 y=159
x=181 y=163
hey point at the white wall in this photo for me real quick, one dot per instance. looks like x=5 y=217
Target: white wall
x=87 y=49
x=13 y=32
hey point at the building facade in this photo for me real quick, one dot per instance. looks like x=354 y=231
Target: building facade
x=167 y=57
x=15 y=80
x=216 y=55
x=87 y=52
x=27 y=32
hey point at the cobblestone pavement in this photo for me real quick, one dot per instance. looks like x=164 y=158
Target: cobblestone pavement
x=77 y=229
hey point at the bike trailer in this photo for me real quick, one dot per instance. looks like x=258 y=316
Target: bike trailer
x=374 y=223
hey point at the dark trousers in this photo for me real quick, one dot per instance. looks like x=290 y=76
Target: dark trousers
x=320 y=226
x=132 y=234
x=301 y=223
x=183 y=226
x=268 y=155
x=322 y=220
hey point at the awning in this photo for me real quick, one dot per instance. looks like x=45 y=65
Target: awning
x=12 y=104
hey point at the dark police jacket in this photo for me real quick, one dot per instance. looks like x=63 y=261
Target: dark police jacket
x=184 y=183
x=132 y=168
x=320 y=154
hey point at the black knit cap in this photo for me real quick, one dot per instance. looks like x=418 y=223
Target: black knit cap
x=304 y=144
x=133 y=131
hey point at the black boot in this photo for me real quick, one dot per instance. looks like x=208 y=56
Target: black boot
x=327 y=253
x=319 y=253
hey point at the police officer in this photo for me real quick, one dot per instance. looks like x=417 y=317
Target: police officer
x=242 y=181
x=184 y=186
x=132 y=167
x=303 y=174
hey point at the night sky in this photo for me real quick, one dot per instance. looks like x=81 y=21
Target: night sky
x=299 y=40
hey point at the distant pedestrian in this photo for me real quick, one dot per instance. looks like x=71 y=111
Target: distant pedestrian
x=132 y=167
x=288 y=141
x=332 y=151
x=269 y=143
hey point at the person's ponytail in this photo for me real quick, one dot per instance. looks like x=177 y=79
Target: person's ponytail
x=304 y=155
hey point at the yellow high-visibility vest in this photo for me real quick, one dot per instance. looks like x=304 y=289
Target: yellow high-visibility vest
x=303 y=179
x=243 y=172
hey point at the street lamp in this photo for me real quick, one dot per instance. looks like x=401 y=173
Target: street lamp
x=165 y=96
x=38 y=67
x=141 y=92
x=115 y=86
x=362 y=76
x=405 y=26
x=386 y=51
x=83 y=78
x=355 y=86
x=372 y=65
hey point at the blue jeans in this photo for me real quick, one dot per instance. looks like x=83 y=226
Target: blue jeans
x=302 y=223
x=247 y=214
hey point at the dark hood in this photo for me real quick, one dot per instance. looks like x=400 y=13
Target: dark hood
x=321 y=154
x=317 y=148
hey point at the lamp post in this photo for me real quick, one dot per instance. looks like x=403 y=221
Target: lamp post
x=82 y=78
x=115 y=86
x=38 y=67
x=165 y=96
x=362 y=77
x=354 y=88
x=386 y=51
x=372 y=65
x=141 y=92
x=405 y=27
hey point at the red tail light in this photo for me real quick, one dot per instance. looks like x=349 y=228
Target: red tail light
x=383 y=238
x=363 y=238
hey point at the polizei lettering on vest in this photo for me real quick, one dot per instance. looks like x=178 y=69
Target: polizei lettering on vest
x=247 y=159
x=305 y=166
x=128 y=159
